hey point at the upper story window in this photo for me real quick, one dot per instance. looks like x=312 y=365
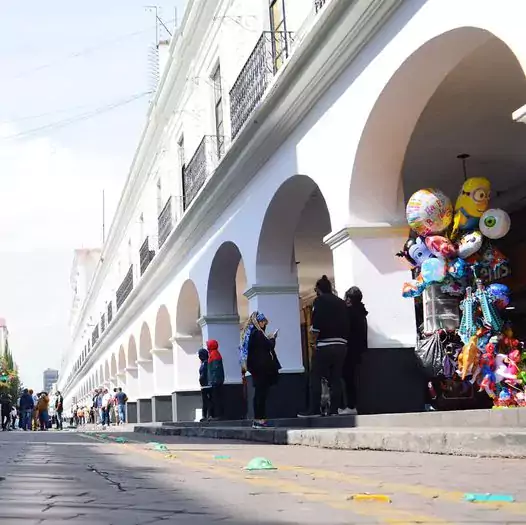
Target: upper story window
x=278 y=27
x=218 y=111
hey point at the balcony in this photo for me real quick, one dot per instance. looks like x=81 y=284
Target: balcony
x=95 y=335
x=165 y=223
x=146 y=255
x=202 y=165
x=109 y=315
x=271 y=50
x=102 y=323
x=125 y=288
x=318 y=4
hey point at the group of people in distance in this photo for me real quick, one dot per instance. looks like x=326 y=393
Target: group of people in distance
x=338 y=339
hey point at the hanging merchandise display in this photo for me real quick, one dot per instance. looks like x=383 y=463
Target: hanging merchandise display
x=454 y=261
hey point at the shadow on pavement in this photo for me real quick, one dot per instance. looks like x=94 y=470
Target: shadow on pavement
x=49 y=477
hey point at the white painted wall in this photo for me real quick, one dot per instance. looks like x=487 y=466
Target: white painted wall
x=350 y=144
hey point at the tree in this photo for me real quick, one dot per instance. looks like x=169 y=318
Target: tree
x=9 y=379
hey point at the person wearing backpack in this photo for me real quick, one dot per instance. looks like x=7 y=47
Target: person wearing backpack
x=216 y=378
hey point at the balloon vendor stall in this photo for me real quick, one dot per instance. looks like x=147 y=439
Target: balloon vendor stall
x=465 y=340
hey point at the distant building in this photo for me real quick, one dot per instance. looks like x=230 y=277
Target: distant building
x=50 y=376
x=4 y=333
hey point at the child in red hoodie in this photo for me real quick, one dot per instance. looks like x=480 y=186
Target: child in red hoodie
x=216 y=378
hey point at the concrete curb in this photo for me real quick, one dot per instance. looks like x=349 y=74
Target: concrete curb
x=487 y=442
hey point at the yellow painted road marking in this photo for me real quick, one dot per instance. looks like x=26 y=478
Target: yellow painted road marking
x=386 y=513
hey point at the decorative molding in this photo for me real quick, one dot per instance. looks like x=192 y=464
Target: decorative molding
x=120 y=375
x=378 y=230
x=218 y=319
x=260 y=289
x=154 y=351
x=142 y=362
x=177 y=338
x=131 y=369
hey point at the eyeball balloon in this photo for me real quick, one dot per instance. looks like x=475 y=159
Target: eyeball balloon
x=495 y=224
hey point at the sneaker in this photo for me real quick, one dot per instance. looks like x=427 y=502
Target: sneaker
x=347 y=412
x=309 y=414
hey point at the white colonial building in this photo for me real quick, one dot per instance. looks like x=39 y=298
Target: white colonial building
x=281 y=144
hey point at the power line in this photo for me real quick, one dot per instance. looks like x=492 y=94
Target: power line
x=78 y=118
x=82 y=52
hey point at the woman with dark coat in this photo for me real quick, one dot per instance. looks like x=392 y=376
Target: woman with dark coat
x=356 y=346
x=258 y=356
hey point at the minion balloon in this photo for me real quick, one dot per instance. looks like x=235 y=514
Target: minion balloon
x=472 y=202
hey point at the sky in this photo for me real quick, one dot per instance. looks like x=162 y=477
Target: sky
x=63 y=64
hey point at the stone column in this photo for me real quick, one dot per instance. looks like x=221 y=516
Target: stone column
x=225 y=330
x=132 y=390
x=144 y=401
x=186 y=395
x=365 y=256
x=121 y=380
x=281 y=305
x=163 y=383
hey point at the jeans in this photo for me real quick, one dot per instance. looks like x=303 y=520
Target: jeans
x=105 y=416
x=216 y=395
x=59 y=420
x=327 y=362
x=122 y=413
x=27 y=418
x=42 y=418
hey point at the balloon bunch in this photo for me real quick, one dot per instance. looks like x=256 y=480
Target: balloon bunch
x=445 y=243
x=453 y=247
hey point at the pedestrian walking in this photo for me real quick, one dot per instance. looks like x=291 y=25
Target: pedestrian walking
x=121 y=399
x=330 y=330
x=258 y=356
x=26 y=409
x=43 y=411
x=105 y=408
x=6 y=403
x=59 y=410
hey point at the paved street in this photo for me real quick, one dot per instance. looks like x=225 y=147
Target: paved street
x=50 y=477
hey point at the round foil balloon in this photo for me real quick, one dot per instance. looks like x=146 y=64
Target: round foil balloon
x=469 y=244
x=501 y=294
x=441 y=246
x=429 y=211
x=495 y=224
x=434 y=271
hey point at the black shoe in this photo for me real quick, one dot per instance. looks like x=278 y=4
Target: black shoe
x=309 y=414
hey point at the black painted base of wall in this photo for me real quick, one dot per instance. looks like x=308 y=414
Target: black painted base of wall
x=286 y=398
x=390 y=381
x=144 y=410
x=161 y=409
x=185 y=404
x=131 y=412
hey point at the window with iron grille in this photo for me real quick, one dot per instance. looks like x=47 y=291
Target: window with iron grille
x=218 y=111
x=110 y=312
x=102 y=323
x=278 y=25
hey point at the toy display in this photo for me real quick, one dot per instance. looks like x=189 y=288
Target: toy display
x=452 y=250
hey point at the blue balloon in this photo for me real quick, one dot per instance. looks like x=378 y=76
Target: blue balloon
x=457 y=269
x=433 y=270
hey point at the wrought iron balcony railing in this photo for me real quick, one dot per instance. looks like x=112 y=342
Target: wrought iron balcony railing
x=318 y=4
x=95 y=335
x=145 y=255
x=202 y=165
x=125 y=288
x=165 y=223
x=271 y=51
x=102 y=323
x=109 y=315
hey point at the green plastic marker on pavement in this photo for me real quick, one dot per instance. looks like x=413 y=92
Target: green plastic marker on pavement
x=103 y=436
x=489 y=498
x=221 y=457
x=121 y=440
x=161 y=447
x=260 y=464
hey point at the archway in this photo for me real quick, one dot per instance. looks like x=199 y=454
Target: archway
x=113 y=366
x=227 y=306
x=122 y=359
x=145 y=343
x=291 y=257
x=163 y=363
x=132 y=376
x=132 y=352
x=441 y=102
x=188 y=338
x=106 y=371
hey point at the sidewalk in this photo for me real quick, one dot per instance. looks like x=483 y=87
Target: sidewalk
x=491 y=433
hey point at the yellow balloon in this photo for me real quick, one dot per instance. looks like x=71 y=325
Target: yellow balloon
x=471 y=204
